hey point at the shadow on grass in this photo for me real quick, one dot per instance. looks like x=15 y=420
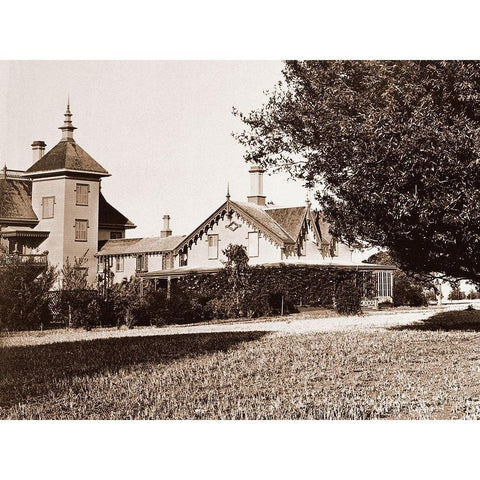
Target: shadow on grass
x=460 y=320
x=31 y=371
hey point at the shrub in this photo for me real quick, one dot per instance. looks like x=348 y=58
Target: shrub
x=407 y=292
x=257 y=291
x=473 y=295
x=383 y=305
x=179 y=308
x=348 y=298
x=456 y=294
x=24 y=297
x=129 y=307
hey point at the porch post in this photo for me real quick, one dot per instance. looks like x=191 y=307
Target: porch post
x=169 y=282
x=141 y=286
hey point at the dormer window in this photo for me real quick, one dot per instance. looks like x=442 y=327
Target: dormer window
x=82 y=194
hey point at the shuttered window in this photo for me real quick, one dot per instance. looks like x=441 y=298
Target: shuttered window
x=253 y=244
x=142 y=263
x=212 y=246
x=81 y=229
x=48 y=207
x=82 y=194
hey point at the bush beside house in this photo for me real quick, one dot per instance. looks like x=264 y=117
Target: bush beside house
x=236 y=291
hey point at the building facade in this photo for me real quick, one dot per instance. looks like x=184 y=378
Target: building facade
x=55 y=210
x=270 y=233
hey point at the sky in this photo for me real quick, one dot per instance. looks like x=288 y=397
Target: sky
x=161 y=128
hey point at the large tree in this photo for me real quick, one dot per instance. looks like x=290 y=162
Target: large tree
x=392 y=150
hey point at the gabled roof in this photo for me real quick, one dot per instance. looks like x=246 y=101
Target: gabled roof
x=321 y=227
x=258 y=217
x=110 y=217
x=16 y=202
x=131 y=246
x=67 y=155
x=261 y=218
x=289 y=218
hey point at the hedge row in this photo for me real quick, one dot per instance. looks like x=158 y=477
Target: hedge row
x=258 y=291
x=231 y=293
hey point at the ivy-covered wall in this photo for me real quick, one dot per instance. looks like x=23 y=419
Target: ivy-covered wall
x=259 y=290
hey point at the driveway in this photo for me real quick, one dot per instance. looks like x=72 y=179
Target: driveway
x=306 y=322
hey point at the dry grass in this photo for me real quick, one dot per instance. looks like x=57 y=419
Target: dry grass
x=339 y=375
x=464 y=320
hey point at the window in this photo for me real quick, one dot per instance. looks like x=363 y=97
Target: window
x=119 y=264
x=253 y=244
x=81 y=227
x=212 y=246
x=334 y=247
x=82 y=194
x=384 y=284
x=183 y=259
x=142 y=263
x=115 y=235
x=48 y=207
x=302 y=247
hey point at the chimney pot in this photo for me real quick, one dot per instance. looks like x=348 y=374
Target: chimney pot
x=38 y=147
x=166 y=232
x=256 y=186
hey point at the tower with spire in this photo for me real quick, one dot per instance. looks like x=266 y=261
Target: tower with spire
x=66 y=198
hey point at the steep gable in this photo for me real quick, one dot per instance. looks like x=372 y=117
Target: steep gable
x=291 y=219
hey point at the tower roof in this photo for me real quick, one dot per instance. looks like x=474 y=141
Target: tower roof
x=67 y=155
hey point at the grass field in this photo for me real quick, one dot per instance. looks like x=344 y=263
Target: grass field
x=418 y=372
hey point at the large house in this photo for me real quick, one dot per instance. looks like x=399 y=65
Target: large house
x=272 y=235
x=55 y=210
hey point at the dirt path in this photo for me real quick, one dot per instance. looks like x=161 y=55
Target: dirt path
x=294 y=324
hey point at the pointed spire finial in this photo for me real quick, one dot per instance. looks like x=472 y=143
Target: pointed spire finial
x=228 y=189
x=67 y=128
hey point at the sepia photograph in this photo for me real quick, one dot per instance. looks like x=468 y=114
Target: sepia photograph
x=222 y=238
x=314 y=259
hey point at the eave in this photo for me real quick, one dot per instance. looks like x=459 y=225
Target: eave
x=67 y=173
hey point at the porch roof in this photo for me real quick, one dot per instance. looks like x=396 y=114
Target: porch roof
x=182 y=271
x=23 y=232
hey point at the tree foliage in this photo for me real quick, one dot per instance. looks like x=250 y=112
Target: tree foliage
x=392 y=149
x=77 y=301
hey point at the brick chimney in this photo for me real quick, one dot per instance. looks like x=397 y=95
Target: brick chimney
x=38 y=147
x=166 y=232
x=256 y=186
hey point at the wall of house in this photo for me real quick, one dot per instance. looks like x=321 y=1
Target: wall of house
x=73 y=248
x=154 y=263
x=61 y=242
x=198 y=254
x=51 y=187
x=268 y=251
x=105 y=233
